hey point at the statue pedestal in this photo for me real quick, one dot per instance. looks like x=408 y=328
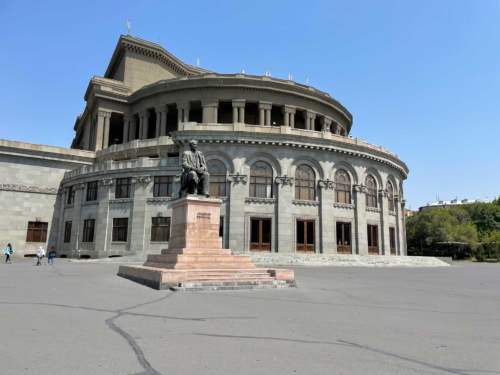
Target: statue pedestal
x=195 y=259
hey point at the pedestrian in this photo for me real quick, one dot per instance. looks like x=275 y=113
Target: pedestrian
x=8 y=251
x=51 y=255
x=40 y=253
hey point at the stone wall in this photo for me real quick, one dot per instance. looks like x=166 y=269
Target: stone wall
x=31 y=175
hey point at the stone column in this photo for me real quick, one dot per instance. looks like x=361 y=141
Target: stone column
x=60 y=200
x=327 y=124
x=238 y=191
x=360 y=220
x=159 y=111
x=284 y=221
x=262 y=116
x=103 y=226
x=310 y=116
x=138 y=238
x=289 y=114
x=102 y=133
x=400 y=226
x=183 y=112
x=126 y=127
x=163 y=123
x=75 y=224
x=238 y=111
x=265 y=110
x=210 y=108
x=384 y=222
x=144 y=122
x=326 y=217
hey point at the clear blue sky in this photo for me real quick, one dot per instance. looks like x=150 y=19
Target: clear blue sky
x=421 y=78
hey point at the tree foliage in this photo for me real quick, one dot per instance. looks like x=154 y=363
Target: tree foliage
x=476 y=225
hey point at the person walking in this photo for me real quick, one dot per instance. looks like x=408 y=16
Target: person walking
x=40 y=253
x=8 y=251
x=51 y=255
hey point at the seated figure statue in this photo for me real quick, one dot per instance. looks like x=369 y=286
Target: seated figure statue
x=194 y=178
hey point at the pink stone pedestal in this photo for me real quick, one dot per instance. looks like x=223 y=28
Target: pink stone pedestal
x=195 y=259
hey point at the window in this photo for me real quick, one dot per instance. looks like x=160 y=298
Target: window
x=92 y=191
x=342 y=187
x=37 y=231
x=88 y=230
x=162 y=186
x=71 y=195
x=372 y=239
x=371 y=191
x=120 y=228
x=344 y=238
x=305 y=235
x=160 y=229
x=67 y=231
x=392 y=240
x=260 y=234
x=261 y=180
x=122 y=189
x=217 y=170
x=305 y=183
x=390 y=196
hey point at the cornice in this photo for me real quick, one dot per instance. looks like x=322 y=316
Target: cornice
x=260 y=200
x=29 y=189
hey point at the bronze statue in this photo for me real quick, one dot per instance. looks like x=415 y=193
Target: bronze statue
x=194 y=178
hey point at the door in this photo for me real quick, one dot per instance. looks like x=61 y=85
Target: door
x=344 y=238
x=372 y=239
x=305 y=235
x=392 y=240
x=260 y=234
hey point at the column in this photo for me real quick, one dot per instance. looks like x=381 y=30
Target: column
x=75 y=224
x=101 y=129
x=138 y=238
x=360 y=220
x=144 y=124
x=289 y=113
x=60 y=199
x=310 y=116
x=158 y=111
x=326 y=217
x=327 y=125
x=284 y=221
x=236 y=219
x=183 y=112
x=103 y=225
x=384 y=222
x=210 y=108
x=105 y=139
x=265 y=113
x=238 y=111
x=163 y=123
x=127 y=119
x=400 y=226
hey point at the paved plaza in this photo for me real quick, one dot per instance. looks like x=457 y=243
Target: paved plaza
x=80 y=318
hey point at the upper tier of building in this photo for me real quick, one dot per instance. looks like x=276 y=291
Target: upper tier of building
x=147 y=92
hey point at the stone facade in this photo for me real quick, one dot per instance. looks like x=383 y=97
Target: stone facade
x=290 y=177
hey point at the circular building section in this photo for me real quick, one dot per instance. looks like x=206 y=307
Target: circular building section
x=280 y=157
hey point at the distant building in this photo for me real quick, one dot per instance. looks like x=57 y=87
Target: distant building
x=453 y=203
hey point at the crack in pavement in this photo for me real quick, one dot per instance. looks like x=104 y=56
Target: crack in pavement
x=351 y=344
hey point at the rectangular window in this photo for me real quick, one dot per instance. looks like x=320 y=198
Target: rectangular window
x=67 y=231
x=217 y=185
x=372 y=239
x=160 y=229
x=343 y=233
x=120 y=229
x=260 y=234
x=305 y=235
x=392 y=240
x=71 y=195
x=37 y=231
x=162 y=186
x=122 y=189
x=91 y=191
x=88 y=230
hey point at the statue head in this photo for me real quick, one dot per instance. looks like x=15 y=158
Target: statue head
x=193 y=145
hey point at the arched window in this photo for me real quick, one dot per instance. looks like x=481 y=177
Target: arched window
x=217 y=170
x=371 y=191
x=305 y=183
x=261 y=180
x=342 y=187
x=390 y=195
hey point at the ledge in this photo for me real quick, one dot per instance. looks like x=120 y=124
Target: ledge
x=373 y=209
x=299 y=202
x=260 y=200
x=120 y=200
x=347 y=206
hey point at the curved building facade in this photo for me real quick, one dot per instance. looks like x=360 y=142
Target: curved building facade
x=290 y=177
